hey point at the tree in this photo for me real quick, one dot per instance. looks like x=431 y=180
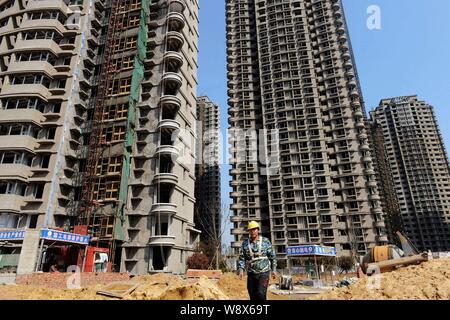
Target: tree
x=345 y=263
x=212 y=248
x=198 y=261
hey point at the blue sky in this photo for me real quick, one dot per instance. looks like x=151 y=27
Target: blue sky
x=410 y=54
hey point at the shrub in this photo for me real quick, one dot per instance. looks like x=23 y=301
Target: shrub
x=345 y=263
x=198 y=261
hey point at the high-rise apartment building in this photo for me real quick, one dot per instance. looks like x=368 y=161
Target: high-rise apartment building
x=417 y=158
x=291 y=69
x=385 y=179
x=97 y=121
x=207 y=186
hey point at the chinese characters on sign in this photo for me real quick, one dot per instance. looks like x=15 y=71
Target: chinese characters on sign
x=12 y=235
x=64 y=236
x=311 y=250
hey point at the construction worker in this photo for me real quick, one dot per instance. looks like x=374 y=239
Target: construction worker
x=258 y=257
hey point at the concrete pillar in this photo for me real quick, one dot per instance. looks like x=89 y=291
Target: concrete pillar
x=29 y=253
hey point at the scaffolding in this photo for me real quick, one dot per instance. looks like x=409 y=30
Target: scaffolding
x=105 y=185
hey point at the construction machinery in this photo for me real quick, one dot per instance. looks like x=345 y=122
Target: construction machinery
x=390 y=257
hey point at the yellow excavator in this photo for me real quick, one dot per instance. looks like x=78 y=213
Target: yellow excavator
x=390 y=257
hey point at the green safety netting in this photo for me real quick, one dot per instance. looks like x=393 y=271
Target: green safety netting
x=136 y=80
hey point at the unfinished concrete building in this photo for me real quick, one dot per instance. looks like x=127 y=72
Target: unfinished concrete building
x=207 y=186
x=417 y=158
x=291 y=69
x=44 y=94
x=389 y=201
x=104 y=137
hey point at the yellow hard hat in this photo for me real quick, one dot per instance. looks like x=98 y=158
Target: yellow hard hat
x=253 y=225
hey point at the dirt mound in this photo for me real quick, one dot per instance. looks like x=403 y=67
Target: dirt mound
x=233 y=287
x=168 y=287
x=31 y=292
x=59 y=280
x=204 y=289
x=427 y=281
x=152 y=287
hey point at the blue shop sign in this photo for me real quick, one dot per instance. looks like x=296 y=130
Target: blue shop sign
x=64 y=236
x=12 y=235
x=311 y=250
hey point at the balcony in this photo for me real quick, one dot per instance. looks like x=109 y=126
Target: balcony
x=15 y=171
x=377 y=210
x=167 y=150
x=362 y=135
x=173 y=59
x=365 y=147
x=177 y=6
x=237 y=231
x=164 y=208
x=360 y=124
x=170 y=101
x=175 y=21
x=354 y=93
x=379 y=224
x=11 y=203
x=41 y=44
x=66 y=45
x=167 y=241
x=168 y=178
x=367 y=159
x=342 y=37
x=374 y=196
x=168 y=125
x=346 y=56
x=372 y=184
x=18 y=143
x=175 y=40
x=32 y=67
x=22 y=115
x=25 y=90
x=236 y=219
x=47 y=5
x=234 y=183
x=352 y=84
x=348 y=64
x=54 y=24
x=236 y=206
x=172 y=79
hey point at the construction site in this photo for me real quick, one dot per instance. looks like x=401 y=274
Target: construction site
x=103 y=197
x=427 y=281
x=385 y=273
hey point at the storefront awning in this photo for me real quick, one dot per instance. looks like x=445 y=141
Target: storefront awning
x=46 y=234
x=66 y=237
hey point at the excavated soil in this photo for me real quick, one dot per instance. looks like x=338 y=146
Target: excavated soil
x=151 y=287
x=427 y=281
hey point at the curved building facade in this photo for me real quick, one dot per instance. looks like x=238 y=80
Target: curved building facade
x=97 y=125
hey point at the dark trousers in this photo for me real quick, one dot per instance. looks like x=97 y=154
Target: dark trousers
x=257 y=285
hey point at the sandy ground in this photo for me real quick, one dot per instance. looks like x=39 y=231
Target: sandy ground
x=151 y=287
x=427 y=281
x=430 y=280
